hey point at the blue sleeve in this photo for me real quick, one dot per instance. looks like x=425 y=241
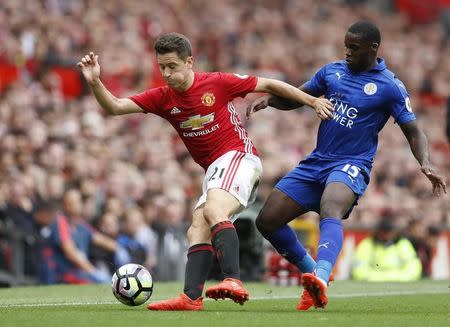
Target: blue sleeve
x=400 y=106
x=317 y=85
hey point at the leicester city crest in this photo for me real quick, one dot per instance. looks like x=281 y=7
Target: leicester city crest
x=370 y=88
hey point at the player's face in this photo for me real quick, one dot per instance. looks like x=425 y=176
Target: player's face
x=359 y=54
x=175 y=70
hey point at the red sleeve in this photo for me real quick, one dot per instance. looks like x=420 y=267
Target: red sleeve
x=63 y=229
x=150 y=100
x=237 y=85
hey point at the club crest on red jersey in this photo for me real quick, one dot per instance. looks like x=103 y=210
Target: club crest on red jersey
x=208 y=99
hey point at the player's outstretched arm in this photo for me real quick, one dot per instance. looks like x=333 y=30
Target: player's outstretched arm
x=419 y=147
x=272 y=101
x=286 y=97
x=90 y=68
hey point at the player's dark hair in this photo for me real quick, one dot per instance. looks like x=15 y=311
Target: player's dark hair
x=174 y=42
x=368 y=30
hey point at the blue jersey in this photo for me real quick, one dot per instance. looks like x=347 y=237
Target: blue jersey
x=363 y=103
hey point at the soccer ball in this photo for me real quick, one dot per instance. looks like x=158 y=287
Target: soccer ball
x=132 y=284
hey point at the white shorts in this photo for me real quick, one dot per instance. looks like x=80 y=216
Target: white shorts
x=236 y=172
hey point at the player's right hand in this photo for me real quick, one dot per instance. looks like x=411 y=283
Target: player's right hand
x=257 y=105
x=90 y=67
x=438 y=182
x=324 y=108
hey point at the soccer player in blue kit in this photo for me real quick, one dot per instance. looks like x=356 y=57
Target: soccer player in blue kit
x=332 y=178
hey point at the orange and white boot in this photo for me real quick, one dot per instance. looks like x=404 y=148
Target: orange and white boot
x=230 y=288
x=180 y=303
x=318 y=299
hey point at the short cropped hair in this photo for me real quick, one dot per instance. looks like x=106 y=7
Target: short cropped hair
x=368 y=30
x=46 y=205
x=174 y=42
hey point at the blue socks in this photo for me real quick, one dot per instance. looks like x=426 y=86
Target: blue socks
x=285 y=241
x=307 y=264
x=330 y=244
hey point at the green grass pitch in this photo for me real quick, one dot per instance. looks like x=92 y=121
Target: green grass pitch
x=425 y=303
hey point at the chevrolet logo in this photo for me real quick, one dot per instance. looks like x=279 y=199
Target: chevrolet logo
x=197 y=121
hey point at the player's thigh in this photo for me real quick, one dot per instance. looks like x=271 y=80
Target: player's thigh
x=278 y=210
x=220 y=206
x=343 y=187
x=230 y=185
x=337 y=200
x=199 y=231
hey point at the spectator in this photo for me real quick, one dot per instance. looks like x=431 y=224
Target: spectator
x=43 y=216
x=417 y=234
x=18 y=211
x=386 y=257
x=172 y=244
x=433 y=234
x=69 y=240
x=103 y=259
x=138 y=238
x=145 y=235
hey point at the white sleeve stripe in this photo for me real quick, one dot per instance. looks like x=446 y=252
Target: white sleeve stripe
x=238 y=128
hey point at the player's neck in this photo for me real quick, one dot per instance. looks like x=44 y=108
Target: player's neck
x=370 y=66
x=374 y=63
x=364 y=69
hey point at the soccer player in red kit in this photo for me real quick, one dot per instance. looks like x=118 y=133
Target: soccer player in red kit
x=199 y=107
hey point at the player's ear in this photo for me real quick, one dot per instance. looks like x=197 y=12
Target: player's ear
x=375 y=46
x=189 y=62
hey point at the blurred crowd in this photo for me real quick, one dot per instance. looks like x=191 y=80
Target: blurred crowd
x=134 y=176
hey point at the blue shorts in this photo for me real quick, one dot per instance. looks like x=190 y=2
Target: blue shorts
x=306 y=182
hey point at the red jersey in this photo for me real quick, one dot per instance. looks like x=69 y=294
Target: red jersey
x=204 y=115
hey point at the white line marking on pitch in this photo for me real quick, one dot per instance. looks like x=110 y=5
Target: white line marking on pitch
x=257 y=298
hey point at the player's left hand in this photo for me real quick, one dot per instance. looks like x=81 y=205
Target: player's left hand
x=324 y=108
x=436 y=180
x=257 y=105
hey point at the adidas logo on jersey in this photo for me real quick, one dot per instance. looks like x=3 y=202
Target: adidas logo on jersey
x=174 y=111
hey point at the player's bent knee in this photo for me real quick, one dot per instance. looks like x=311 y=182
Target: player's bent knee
x=332 y=209
x=264 y=224
x=260 y=225
x=208 y=213
x=213 y=215
x=198 y=233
